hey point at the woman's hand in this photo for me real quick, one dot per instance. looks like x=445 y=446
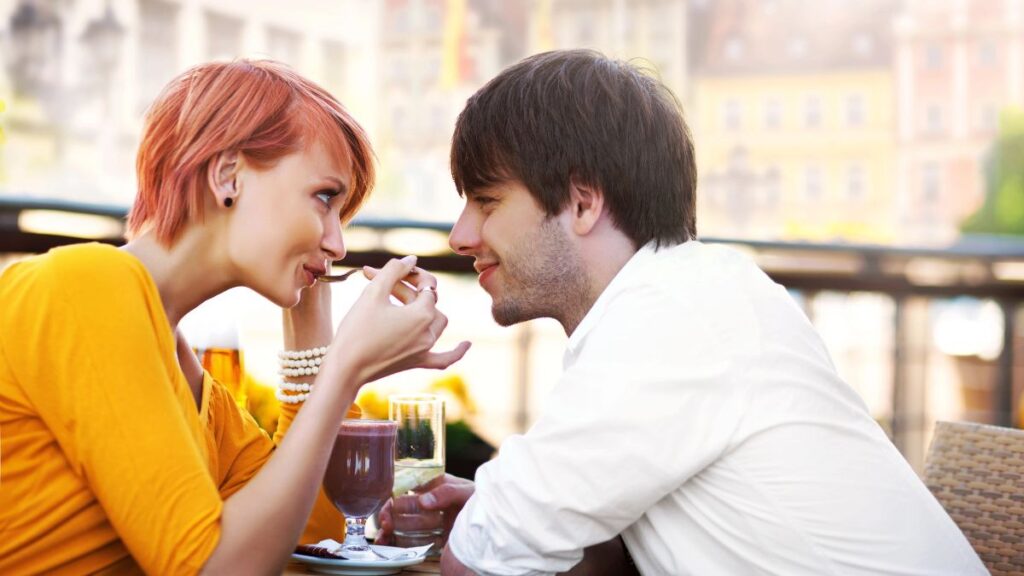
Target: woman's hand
x=378 y=337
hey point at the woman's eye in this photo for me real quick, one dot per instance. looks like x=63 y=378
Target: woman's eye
x=326 y=195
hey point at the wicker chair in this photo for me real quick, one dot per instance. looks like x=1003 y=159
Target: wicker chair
x=977 y=473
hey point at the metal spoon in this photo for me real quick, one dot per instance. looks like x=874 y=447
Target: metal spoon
x=344 y=276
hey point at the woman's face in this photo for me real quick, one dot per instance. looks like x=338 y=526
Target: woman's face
x=286 y=225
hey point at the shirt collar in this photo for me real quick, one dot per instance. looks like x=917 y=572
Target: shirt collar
x=630 y=270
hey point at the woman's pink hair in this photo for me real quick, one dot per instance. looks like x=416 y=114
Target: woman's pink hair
x=260 y=108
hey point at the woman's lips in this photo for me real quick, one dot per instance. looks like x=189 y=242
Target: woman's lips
x=309 y=275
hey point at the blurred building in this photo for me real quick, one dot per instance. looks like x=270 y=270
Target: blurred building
x=795 y=125
x=78 y=76
x=651 y=31
x=433 y=55
x=957 y=64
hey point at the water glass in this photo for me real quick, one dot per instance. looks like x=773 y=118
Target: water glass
x=419 y=458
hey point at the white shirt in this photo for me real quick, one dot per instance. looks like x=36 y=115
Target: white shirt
x=700 y=416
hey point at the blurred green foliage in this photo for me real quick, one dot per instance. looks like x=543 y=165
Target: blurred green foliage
x=1003 y=210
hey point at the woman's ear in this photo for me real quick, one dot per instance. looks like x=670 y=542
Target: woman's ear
x=222 y=178
x=586 y=204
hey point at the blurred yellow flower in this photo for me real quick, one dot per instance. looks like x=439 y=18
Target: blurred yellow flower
x=262 y=403
x=373 y=399
x=373 y=402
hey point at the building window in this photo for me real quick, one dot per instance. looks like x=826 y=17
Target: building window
x=734 y=49
x=987 y=54
x=989 y=118
x=813 y=183
x=772 y=186
x=933 y=119
x=772 y=113
x=855 y=182
x=335 y=66
x=223 y=36
x=931 y=183
x=863 y=44
x=731 y=115
x=933 y=56
x=284 y=46
x=854 y=110
x=797 y=47
x=812 y=112
x=158 y=48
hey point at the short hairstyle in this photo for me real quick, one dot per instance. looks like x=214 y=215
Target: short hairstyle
x=260 y=108
x=577 y=114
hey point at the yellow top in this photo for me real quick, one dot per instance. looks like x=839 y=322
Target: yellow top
x=105 y=463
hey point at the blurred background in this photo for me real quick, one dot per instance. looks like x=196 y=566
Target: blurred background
x=869 y=154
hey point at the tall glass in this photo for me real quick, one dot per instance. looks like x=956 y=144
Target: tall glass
x=359 y=477
x=419 y=459
x=225 y=365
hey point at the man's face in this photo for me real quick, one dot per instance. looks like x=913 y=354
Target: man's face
x=526 y=259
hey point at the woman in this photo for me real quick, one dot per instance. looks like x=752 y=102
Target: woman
x=119 y=454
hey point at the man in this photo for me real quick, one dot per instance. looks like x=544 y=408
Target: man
x=698 y=415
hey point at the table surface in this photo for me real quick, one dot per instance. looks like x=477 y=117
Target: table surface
x=431 y=566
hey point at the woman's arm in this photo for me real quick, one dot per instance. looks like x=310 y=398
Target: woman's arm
x=261 y=523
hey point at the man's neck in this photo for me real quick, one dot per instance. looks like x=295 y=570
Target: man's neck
x=603 y=255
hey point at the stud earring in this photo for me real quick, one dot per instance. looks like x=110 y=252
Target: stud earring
x=228 y=202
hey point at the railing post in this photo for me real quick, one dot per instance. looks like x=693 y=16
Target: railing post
x=1003 y=397
x=899 y=356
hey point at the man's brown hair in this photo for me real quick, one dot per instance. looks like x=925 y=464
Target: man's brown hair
x=576 y=114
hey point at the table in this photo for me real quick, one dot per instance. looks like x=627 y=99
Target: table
x=431 y=566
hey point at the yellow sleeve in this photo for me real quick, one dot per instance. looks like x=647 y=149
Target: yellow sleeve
x=244 y=447
x=88 y=340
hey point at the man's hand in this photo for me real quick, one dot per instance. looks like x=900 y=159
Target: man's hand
x=446 y=493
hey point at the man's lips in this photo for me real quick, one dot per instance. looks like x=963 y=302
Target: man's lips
x=485 y=271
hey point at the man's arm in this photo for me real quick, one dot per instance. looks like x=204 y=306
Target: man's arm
x=607 y=559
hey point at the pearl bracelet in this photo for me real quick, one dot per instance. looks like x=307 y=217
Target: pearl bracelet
x=292 y=398
x=295 y=387
x=305 y=362
x=300 y=354
x=299 y=372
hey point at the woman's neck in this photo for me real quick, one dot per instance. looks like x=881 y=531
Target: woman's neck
x=186 y=274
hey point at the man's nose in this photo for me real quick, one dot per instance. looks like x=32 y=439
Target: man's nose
x=465 y=235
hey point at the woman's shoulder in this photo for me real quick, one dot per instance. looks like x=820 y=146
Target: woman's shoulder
x=82 y=264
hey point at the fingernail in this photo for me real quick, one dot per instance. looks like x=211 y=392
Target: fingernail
x=410 y=260
x=427 y=500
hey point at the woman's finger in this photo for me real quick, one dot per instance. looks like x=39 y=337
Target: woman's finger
x=442 y=360
x=385 y=279
x=421 y=279
x=403 y=291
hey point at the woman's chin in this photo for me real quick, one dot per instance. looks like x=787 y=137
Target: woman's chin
x=282 y=298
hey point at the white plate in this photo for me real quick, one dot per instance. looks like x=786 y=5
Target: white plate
x=355 y=567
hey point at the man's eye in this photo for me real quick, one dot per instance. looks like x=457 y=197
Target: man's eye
x=484 y=200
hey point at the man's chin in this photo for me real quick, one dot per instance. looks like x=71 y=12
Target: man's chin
x=506 y=315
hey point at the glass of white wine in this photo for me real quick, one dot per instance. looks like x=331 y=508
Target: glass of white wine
x=419 y=458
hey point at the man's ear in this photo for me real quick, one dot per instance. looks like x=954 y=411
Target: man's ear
x=586 y=203
x=222 y=175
